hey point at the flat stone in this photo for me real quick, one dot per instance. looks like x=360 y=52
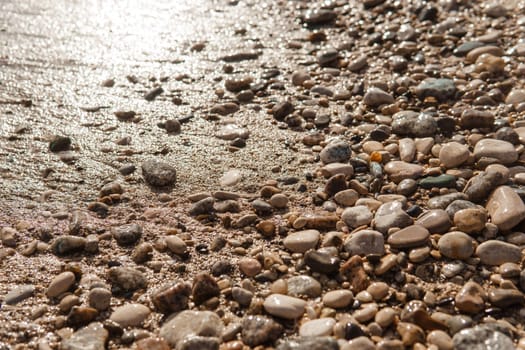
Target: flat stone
x=99 y=298
x=259 y=330
x=413 y=124
x=321 y=262
x=60 y=284
x=365 y=242
x=357 y=216
x=303 y=286
x=172 y=297
x=68 y=244
x=92 y=337
x=456 y=245
x=494 y=252
x=501 y=150
x=435 y=221
x=130 y=315
x=188 y=324
x=441 y=89
x=505 y=298
x=398 y=170
x=301 y=241
x=411 y=236
x=453 y=154
x=337 y=299
x=515 y=97
x=158 y=174
x=473 y=118
x=440 y=181
x=340 y=168
x=126 y=279
x=346 y=198
x=317 y=328
x=310 y=343
x=390 y=215
x=18 y=294
x=482 y=337
x=375 y=97
x=284 y=306
x=505 y=207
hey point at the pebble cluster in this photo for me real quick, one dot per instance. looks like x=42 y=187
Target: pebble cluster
x=406 y=232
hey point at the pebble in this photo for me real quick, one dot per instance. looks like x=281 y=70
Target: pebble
x=250 y=267
x=441 y=89
x=125 y=279
x=317 y=328
x=385 y=317
x=130 y=315
x=515 y=96
x=303 y=286
x=456 y=245
x=346 y=198
x=440 y=181
x=99 y=298
x=501 y=150
x=338 y=168
x=408 y=237
x=301 y=241
x=505 y=207
x=310 y=343
x=410 y=333
x=481 y=338
x=435 y=220
x=494 y=252
x=284 y=306
x=357 y=216
x=158 y=174
x=321 y=262
x=390 y=215
x=176 y=245
x=93 y=337
x=376 y=97
x=60 y=284
x=440 y=339
x=359 y=343
x=188 y=324
x=243 y=296
x=67 y=244
x=258 y=330
x=171 y=298
x=204 y=287
x=365 y=242
x=18 y=294
x=453 y=154
x=127 y=234
x=480 y=186
x=505 y=298
x=473 y=118
x=230 y=178
x=398 y=170
x=336 y=152
x=409 y=123
x=471 y=298
x=470 y=220
x=338 y=299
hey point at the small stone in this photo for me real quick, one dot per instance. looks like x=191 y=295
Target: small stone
x=411 y=236
x=230 y=178
x=153 y=93
x=18 y=294
x=410 y=333
x=505 y=207
x=440 y=181
x=67 y=244
x=336 y=152
x=480 y=186
x=250 y=267
x=357 y=216
x=301 y=241
x=317 y=328
x=319 y=16
x=92 y=337
x=471 y=298
x=259 y=330
x=435 y=220
x=365 y=242
x=456 y=245
x=142 y=253
x=515 y=97
x=338 y=299
x=204 y=287
x=176 y=245
x=359 y=343
x=399 y=170
x=125 y=115
x=130 y=315
x=327 y=56
x=238 y=84
x=321 y=262
x=204 y=206
x=494 y=252
x=453 y=154
x=471 y=220
x=99 y=298
x=172 y=126
x=152 y=344
x=80 y=316
x=346 y=198
x=472 y=118
x=127 y=234
x=171 y=298
x=125 y=279
x=482 y=337
x=284 y=306
x=390 y=215
x=441 y=202
x=441 y=89
x=375 y=97
x=310 y=343
x=299 y=77
x=199 y=342
x=335 y=184
x=505 y=298
x=385 y=317
x=243 y=296
x=158 y=174
x=440 y=339
x=279 y=201
x=188 y=324
x=503 y=151
x=282 y=109
x=378 y=290
x=59 y=144
x=60 y=284
x=414 y=124
x=303 y=286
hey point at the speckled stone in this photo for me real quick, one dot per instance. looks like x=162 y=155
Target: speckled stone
x=188 y=323
x=365 y=242
x=501 y=150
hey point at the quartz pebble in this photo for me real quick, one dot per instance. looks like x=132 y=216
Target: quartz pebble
x=130 y=315
x=301 y=241
x=188 y=324
x=317 y=328
x=284 y=306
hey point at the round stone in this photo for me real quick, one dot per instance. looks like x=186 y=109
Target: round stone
x=158 y=174
x=495 y=252
x=453 y=154
x=60 y=284
x=365 y=242
x=411 y=236
x=456 y=245
x=317 y=328
x=176 y=245
x=337 y=299
x=301 y=241
x=284 y=306
x=357 y=216
x=471 y=220
x=501 y=150
x=250 y=267
x=99 y=298
x=130 y=315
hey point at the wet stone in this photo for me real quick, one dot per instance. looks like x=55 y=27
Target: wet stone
x=259 y=330
x=471 y=220
x=375 y=97
x=506 y=208
x=321 y=262
x=92 y=337
x=338 y=298
x=411 y=236
x=357 y=216
x=127 y=234
x=319 y=16
x=480 y=186
x=284 y=306
x=503 y=151
x=494 y=252
x=409 y=123
x=441 y=202
x=435 y=220
x=188 y=324
x=442 y=89
x=391 y=215
x=67 y=244
x=158 y=174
